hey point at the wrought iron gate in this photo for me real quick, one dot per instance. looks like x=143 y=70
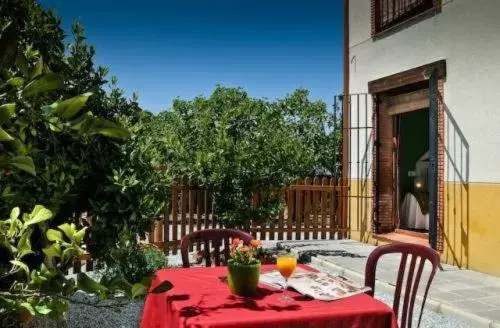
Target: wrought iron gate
x=357 y=112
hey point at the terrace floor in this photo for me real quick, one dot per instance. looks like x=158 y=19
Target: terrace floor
x=472 y=296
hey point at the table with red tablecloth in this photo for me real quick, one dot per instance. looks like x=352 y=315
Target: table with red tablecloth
x=201 y=298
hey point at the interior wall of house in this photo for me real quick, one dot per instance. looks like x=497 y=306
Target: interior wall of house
x=464 y=34
x=413 y=144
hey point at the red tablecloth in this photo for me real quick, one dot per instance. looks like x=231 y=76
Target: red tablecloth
x=200 y=299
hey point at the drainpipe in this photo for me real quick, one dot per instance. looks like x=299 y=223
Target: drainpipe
x=345 y=117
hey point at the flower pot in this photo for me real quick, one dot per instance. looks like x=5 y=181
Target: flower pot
x=243 y=279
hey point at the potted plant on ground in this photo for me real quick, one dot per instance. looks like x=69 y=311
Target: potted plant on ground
x=265 y=255
x=244 y=268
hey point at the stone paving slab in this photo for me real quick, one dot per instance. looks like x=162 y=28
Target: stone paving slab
x=474 y=295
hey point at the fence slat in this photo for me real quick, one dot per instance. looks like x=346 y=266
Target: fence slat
x=152 y=233
x=298 y=214
x=281 y=221
x=175 y=211
x=290 y=213
x=343 y=218
x=211 y=206
x=307 y=209
x=198 y=214
x=191 y=210
x=315 y=206
x=205 y=209
x=272 y=223
x=158 y=236
x=166 y=228
x=324 y=198
x=191 y=193
x=334 y=208
x=183 y=212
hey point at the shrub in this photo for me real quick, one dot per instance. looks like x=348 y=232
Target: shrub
x=133 y=262
x=28 y=292
x=155 y=258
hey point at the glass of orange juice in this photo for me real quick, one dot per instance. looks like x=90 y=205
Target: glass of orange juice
x=286 y=264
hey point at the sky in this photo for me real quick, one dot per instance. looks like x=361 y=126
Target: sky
x=168 y=49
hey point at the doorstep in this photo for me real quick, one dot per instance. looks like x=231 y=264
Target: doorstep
x=402 y=236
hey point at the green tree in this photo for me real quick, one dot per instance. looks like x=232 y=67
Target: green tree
x=237 y=145
x=59 y=144
x=133 y=194
x=73 y=171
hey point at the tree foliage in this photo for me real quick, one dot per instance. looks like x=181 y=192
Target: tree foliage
x=133 y=194
x=71 y=133
x=237 y=145
x=63 y=145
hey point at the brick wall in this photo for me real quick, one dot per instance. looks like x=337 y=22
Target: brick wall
x=385 y=172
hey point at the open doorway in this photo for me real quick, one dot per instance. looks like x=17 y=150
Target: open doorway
x=408 y=125
x=412 y=135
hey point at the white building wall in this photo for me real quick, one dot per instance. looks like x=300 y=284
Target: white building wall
x=467 y=35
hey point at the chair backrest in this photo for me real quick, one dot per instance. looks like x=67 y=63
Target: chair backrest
x=412 y=282
x=218 y=238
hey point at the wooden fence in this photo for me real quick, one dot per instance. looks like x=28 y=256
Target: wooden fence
x=313 y=209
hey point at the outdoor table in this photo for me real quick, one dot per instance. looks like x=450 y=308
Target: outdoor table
x=201 y=298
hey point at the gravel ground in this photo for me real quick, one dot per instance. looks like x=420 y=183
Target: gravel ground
x=85 y=316
x=128 y=316
x=430 y=319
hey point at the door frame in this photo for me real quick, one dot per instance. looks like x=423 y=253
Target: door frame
x=391 y=84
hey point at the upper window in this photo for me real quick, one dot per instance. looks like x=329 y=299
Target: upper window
x=388 y=13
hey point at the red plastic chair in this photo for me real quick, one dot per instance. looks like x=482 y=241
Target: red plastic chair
x=217 y=237
x=415 y=251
